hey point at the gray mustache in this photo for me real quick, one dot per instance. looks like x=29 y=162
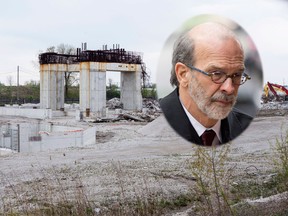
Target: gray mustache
x=224 y=97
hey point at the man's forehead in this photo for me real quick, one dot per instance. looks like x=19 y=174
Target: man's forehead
x=229 y=50
x=211 y=30
x=218 y=66
x=211 y=34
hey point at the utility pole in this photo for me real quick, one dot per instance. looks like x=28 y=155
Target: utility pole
x=18 y=137
x=18 y=84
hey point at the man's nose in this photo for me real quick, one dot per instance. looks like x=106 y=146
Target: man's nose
x=228 y=86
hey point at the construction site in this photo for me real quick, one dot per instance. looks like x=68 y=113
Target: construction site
x=94 y=158
x=274 y=99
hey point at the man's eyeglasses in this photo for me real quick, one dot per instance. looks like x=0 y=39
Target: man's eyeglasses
x=219 y=77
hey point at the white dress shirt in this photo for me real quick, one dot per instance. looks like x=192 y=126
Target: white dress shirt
x=200 y=129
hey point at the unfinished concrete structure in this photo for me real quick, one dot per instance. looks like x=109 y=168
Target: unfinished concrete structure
x=42 y=136
x=92 y=66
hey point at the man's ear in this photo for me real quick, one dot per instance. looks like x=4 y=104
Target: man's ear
x=182 y=74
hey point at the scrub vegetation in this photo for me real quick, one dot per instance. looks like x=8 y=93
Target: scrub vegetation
x=215 y=188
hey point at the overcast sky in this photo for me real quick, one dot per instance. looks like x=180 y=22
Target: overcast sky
x=28 y=26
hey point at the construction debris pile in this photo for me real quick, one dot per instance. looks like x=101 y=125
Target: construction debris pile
x=114 y=103
x=150 y=111
x=151 y=106
x=273 y=108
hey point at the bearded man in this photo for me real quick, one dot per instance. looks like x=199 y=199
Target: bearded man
x=207 y=70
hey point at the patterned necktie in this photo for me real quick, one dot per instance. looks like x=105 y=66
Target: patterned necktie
x=208 y=137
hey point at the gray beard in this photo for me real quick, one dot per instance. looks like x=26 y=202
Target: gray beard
x=207 y=104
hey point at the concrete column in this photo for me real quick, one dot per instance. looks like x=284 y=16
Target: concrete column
x=44 y=86
x=52 y=86
x=131 y=96
x=84 y=88
x=93 y=88
x=60 y=86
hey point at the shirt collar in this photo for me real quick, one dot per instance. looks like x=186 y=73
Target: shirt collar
x=199 y=128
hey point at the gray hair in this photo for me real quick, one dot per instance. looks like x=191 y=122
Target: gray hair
x=184 y=46
x=183 y=52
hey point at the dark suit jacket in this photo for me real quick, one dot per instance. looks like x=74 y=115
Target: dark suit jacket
x=231 y=127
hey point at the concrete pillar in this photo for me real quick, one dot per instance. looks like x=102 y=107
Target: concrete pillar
x=93 y=88
x=131 y=96
x=52 y=86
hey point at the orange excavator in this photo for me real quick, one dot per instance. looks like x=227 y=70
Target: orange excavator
x=280 y=92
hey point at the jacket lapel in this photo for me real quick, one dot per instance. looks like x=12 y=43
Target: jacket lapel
x=178 y=119
x=225 y=130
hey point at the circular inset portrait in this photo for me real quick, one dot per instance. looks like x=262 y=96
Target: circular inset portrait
x=209 y=80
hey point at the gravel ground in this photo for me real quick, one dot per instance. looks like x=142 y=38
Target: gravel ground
x=129 y=160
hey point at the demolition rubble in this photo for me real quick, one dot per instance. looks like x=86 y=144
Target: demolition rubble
x=150 y=111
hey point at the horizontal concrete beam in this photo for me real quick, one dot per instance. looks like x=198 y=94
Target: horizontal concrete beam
x=97 y=66
x=73 y=67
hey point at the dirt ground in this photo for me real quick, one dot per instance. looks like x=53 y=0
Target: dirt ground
x=130 y=159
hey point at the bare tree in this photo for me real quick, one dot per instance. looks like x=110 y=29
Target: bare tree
x=110 y=82
x=70 y=77
x=51 y=49
x=10 y=80
x=66 y=49
x=10 y=83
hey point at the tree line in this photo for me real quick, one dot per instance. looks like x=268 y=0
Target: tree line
x=30 y=93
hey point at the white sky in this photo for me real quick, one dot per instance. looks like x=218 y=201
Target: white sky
x=28 y=26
